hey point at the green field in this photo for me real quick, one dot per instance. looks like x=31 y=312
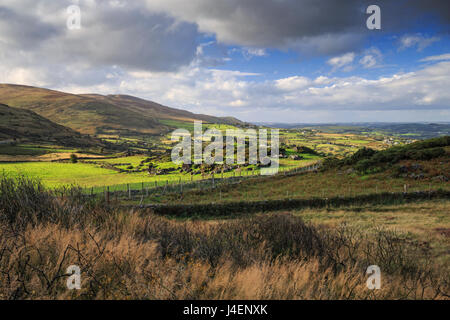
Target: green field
x=55 y=175
x=31 y=150
x=117 y=170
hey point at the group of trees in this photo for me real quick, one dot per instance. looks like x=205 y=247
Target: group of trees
x=367 y=160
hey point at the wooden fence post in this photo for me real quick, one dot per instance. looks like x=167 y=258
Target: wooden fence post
x=107 y=195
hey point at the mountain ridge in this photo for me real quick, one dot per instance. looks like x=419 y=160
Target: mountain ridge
x=21 y=124
x=94 y=113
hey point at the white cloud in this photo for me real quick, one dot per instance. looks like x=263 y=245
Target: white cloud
x=371 y=58
x=292 y=83
x=418 y=41
x=227 y=92
x=342 y=62
x=441 y=57
x=151 y=49
x=292 y=99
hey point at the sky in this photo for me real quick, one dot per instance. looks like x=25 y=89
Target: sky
x=292 y=61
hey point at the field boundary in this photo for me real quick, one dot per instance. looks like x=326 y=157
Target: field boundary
x=145 y=189
x=231 y=208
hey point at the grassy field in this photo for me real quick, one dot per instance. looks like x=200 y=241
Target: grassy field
x=81 y=174
x=129 y=254
x=90 y=173
x=329 y=183
x=32 y=149
x=98 y=173
x=320 y=253
x=427 y=222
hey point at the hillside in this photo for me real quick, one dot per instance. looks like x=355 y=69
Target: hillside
x=158 y=111
x=92 y=113
x=420 y=166
x=26 y=125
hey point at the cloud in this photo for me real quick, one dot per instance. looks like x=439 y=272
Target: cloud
x=371 y=58
x=441 y=57
x=292 y=83
x=122 y=33
x=156 y=49
x=312 y=27
x=227 y=92
x=342 y=62
x=418 y=41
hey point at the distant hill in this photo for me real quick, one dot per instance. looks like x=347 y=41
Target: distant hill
x=25 y=125
x=92 y=113
x=406 y=130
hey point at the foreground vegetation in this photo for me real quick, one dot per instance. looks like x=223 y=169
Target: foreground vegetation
x=137 y=255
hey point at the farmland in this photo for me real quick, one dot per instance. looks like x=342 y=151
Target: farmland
x=52 y=163
x=344 y=198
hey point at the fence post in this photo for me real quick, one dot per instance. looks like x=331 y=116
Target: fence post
x=107 y=195
x=129 y=191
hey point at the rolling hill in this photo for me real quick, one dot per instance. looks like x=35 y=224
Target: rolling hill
x=26 y=125
x=93 y=113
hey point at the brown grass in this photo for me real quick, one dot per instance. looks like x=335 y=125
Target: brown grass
x=136 y=255
x=117 y=262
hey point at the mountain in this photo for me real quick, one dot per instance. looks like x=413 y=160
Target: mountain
x=20 y=124
x=93 y=113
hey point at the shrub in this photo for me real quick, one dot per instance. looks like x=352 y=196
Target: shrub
x=73 y=158
x=367 y=160
x=138 y=255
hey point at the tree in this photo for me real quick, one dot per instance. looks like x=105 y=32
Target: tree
x=73 y=158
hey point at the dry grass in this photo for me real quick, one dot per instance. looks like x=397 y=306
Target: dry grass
x=117 y=262
x=136 y=255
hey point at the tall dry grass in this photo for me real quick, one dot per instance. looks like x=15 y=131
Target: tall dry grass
x=137 y=255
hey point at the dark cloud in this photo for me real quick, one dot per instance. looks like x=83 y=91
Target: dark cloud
x=118 y=33
x=24 y=31
x=311 y=26
x=162 y=35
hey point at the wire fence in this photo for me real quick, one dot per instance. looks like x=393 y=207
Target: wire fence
x=146 y=189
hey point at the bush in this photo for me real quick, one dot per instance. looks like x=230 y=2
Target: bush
x=367 y=160
x=131 y=255
x=73 y=158
x=25 y=201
